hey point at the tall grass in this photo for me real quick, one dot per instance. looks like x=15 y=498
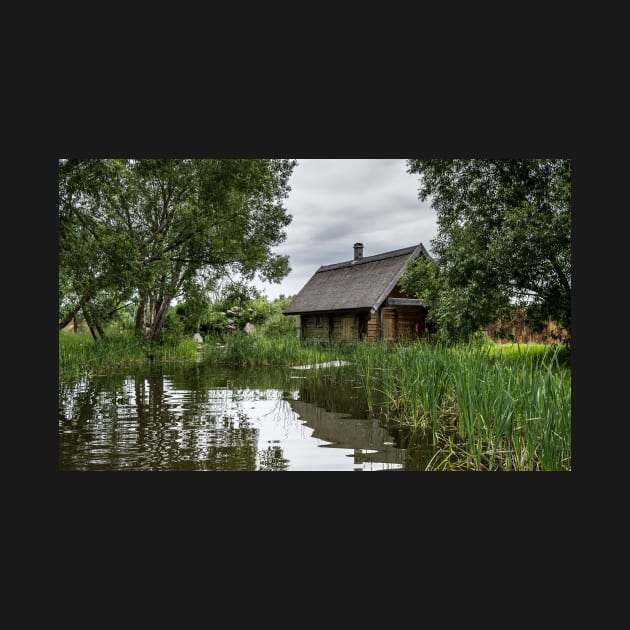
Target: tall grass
x=80 y=355
x=256 y=351
x=412 y=381
x=485 y=409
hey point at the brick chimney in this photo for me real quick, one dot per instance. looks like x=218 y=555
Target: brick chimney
x=358 y=251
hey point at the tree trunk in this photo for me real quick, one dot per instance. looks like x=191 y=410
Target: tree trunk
x=140 y=313
x=161 y=303
x=158 y=318
x=73 y=313
x=153 y=310
x=88 y=321
x=69 y=317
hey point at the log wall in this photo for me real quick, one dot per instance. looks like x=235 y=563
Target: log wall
x=399 y=322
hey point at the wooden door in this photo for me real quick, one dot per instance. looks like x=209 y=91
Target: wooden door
x=389 y=325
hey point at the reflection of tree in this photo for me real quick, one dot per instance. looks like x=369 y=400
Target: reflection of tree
x=87 y=421
x=76 y=408
x=272 y=459
x=144 y=423
x=180 y=427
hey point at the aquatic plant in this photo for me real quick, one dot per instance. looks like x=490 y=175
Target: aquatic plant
x=80 y=355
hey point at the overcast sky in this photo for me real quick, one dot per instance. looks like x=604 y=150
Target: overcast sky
x=336 y=203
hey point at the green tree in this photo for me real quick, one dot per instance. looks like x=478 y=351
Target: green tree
x=156 y=229
x=504 y=240
x=90 y=260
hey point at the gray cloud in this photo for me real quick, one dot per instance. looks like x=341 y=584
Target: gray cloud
x=335 y=203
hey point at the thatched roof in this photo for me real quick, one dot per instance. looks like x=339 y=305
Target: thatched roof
x=363 y=283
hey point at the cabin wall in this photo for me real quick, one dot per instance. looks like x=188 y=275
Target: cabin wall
x=314 y=327
x=399 y=323
x=373 y=327
x=336 y=327
x=345 y=327
x=410 y=322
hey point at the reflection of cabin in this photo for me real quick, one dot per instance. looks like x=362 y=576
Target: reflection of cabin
x=360 y=299
x=370 y=442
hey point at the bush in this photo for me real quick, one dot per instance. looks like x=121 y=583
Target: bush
x=173 y=330
x=278 y=325
x=481 y=338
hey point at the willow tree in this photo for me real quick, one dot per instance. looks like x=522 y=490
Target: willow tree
x=156 y=226
x=504 y=239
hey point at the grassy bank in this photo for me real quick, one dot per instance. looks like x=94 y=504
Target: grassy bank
x=79 y=355
x=257 y=351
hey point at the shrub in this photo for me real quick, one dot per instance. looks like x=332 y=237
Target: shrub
x=278 y=325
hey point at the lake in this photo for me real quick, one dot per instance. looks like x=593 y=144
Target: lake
x=204 y=418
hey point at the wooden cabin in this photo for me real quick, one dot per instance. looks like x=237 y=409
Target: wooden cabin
x=360 y=299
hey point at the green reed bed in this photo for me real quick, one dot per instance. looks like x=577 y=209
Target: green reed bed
x=410 y=382
x=486 y=409
x=80 y=355
x=516 y=413
x=255 y=351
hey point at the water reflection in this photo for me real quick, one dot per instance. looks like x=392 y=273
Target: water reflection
x=211 y=419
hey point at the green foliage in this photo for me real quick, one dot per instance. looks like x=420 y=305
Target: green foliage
x=193 y=310
x=271 y=322
x=121 y=321
x=239 y=305
x=174 y=328
x=278 y=325
x=214 y=323
x=421 y=278
x=155 y=230
x=256 y=350
x=481 y=338
x=504 y=240
x=237 y=294
x=91 y=258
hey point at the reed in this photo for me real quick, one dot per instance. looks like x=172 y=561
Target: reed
x=486 y=407
x=512 y=413
x=79 y=355
x=412 y=380
x=257 y=351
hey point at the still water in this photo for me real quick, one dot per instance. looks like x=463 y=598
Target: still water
x=224 y=419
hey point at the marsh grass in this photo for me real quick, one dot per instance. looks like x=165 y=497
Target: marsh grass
x=412 y=381
x=80 y=355
x=258 y=351
x=487 y=407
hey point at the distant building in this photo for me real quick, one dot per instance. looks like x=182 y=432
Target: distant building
x=360 y=299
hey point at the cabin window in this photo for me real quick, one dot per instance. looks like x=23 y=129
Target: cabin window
x=318 y=320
